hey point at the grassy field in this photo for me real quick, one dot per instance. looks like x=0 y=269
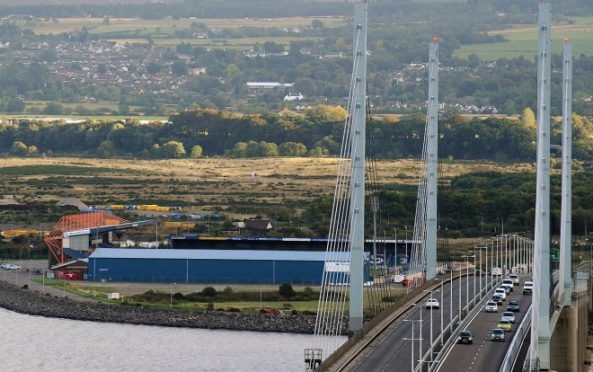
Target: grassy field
x=209 y=184
x=243 y=43
x=99 y=292
x=522 y=41
x=96 y=26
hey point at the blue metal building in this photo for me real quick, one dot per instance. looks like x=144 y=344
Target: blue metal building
x=208 y=266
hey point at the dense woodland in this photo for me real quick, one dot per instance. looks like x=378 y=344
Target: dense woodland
x=488 y=200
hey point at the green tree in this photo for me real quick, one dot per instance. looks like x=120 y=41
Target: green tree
x=101 y=68
x=196 y=152
x=179 y=68
x=173 y=150
x=106 y=149
x=286 y=291
x=53 y=108
x=292 y=149
x=153 y=68
x=19 y=148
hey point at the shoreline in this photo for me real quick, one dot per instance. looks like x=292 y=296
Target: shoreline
x=31 y=302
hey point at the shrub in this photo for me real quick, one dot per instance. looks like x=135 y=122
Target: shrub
x=286 y=306
x=233 y=310
x=178 y=296
x=209 y=291
x=210 y=306
x=286 y=290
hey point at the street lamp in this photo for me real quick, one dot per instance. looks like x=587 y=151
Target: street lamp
x=467 y=282
x=412 y=339
x=171 y=298
x=431 y=308
x=481 y=248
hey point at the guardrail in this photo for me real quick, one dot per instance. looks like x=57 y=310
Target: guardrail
x=471 y=315
x=515 y=346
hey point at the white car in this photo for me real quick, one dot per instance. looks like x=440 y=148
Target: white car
x=528 y=288
x=8 y=266
x=507 y=283
x=501 y=292
x=514 y=278
x=491 y=307
x=432 y=303
x=508 y=315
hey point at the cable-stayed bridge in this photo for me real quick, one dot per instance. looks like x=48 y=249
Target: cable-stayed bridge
x=419 y=332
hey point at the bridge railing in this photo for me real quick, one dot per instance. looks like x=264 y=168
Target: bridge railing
x=516 y=342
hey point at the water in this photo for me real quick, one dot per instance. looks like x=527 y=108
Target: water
x=31 y=343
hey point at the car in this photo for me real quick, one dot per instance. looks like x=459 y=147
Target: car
x=9 y=266
x=505 y=325
x=496 y=298
x=508 y=315
x=508 y=283
x=513 y=306
x=465 y=337
x=515 y=279
x=501 y=292
x=491 y=307
x=528 y=288
x=497 y=334
x=432 y=303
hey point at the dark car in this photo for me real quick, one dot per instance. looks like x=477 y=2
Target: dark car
x=497 y=299
x=465 y=337
x=513 y=306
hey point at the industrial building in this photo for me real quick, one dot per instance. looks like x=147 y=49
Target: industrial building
x=74 y=236
x=209 y=266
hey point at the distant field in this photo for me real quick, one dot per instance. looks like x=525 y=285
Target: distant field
x=210 y=184
x=82 y=117
x=235 y=43
x=523 y=41
x=145 y=27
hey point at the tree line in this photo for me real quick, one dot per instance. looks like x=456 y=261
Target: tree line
x=199 y=133
x=488 y=199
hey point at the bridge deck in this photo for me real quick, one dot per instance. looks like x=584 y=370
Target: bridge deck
x=392 y=352
x=483 y=354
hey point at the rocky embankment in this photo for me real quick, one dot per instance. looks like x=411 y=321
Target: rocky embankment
x=34 y=303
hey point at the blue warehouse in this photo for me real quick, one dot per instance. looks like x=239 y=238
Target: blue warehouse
x=208 y=266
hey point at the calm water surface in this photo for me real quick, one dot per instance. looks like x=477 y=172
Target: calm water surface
x=31 y=343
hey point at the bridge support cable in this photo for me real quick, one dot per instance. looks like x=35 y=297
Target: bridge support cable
x=540 y=326
x=344 y=259
x=379 y=289
x=566 y=206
